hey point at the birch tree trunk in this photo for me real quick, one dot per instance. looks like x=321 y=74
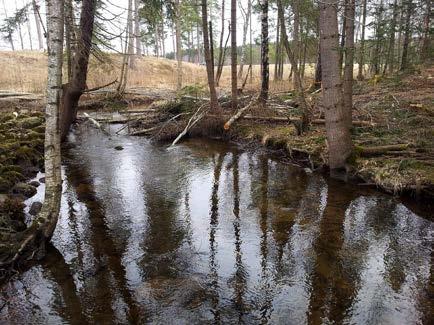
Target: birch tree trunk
x=337 y=129
x=208 y=59
x=350 y=8
x=265 y=73
x=53 y=180
x=234 y=80
x=362 y=42
x=31 y=242
x=38 y=25
x=178 y=44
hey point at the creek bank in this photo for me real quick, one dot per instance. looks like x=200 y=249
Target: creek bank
x=21 y=157
x=393 y=131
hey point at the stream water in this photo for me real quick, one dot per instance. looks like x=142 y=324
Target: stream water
x=207 y=233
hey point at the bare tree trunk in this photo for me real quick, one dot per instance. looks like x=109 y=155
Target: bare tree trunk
x=34 y=238
x=426 y=44
x=207 y=51
x=38 y=25
x=344 y=30
x=29 y=31
x=211 y=41
x=407 y=35
x=178 y=44
x=338 y=131
x=362 y=42
x=246 y=17
x=390 y=60
x=163 y=39
x=199 y=54
x=277 y=50
x=318 y=71
x=220 y=67
x=251 y=45
x=220 y=61
x=296 y=35
x=298 y=82
x=137 y=28
x=73 y=90
x=265 y=74
x=53 y=180
x=378 y=39
x=20 y=34
x=234 y=81
x=349 y=60
x=68 y=31
x=131 y=59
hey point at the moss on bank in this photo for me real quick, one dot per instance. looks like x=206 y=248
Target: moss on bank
x=21 y=156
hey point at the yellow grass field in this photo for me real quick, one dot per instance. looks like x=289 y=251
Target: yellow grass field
x=26 y=71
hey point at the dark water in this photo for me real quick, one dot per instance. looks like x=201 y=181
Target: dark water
x=206 y=233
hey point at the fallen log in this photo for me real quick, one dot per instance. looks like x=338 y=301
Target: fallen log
x=294 y=120
x=197 y=116
x=240 y=113
x=380 y=150
x=95 y=123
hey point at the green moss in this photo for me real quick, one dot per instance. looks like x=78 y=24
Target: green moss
x=26 y=153
x=9 y=168
x=9 y=146
x=6 y=117
x=25 y=189
x=5 y=185
x=30 y=122
x=40 y=129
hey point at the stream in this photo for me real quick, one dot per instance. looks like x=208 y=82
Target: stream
x=207 y=233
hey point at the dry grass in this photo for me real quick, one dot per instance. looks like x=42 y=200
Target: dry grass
x=26 y=71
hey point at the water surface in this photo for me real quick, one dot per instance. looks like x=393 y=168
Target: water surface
x=207 y=233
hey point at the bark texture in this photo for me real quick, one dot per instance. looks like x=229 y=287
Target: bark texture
x=338 y=131
x=31 y=242
x=75 y=88
x=234 y=53
x=38 y=25
x=208 y=58
x=265 y=69
x=349 y=60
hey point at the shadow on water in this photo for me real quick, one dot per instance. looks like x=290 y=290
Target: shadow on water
x=206 y=233
x=107 y=264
